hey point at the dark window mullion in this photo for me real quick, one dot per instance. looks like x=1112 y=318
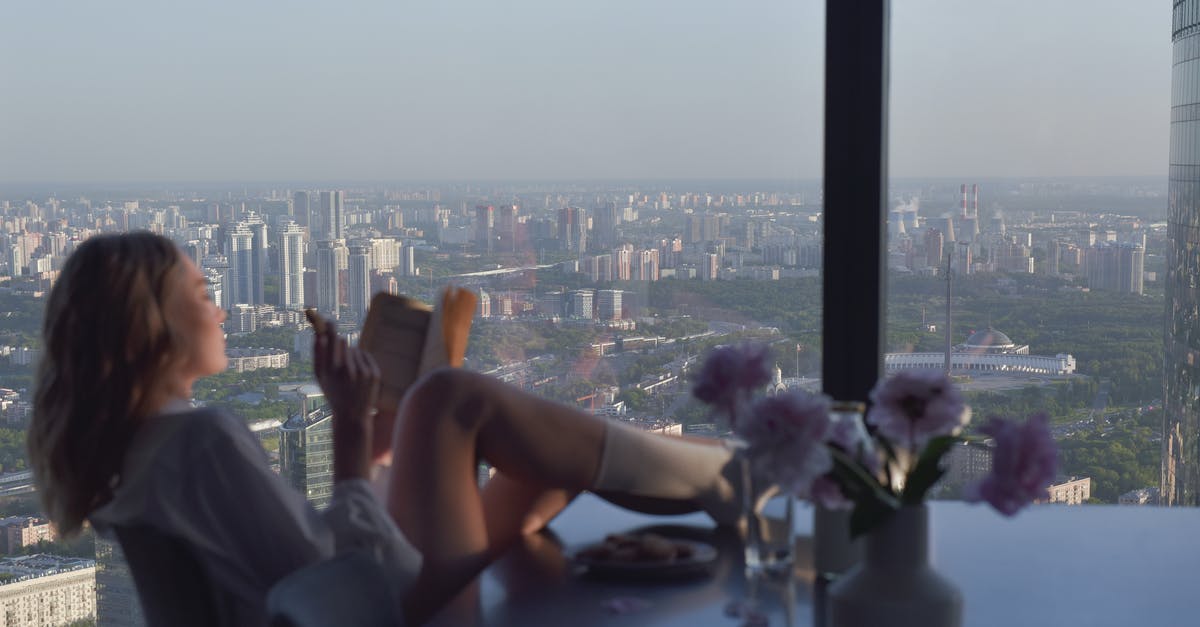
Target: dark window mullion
x=855 y=196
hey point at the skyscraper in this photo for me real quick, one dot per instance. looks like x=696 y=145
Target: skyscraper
x=711 y=269
x=1180 y=481
x=301 y=207
x=933 y=248
x=328 y=287
x=291 y=266
x=604 y=226
x=306 y=454
x=1116 y=267
x=572 y=229
x=330 y=219
x=359 y=296
x=646 y=265
x=485 y=224
x=245 y=246
x=408 y=264
x=623 y=260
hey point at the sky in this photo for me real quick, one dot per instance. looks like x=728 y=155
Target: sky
x=391 y=90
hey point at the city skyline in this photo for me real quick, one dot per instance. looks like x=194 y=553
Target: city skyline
x=538 y=91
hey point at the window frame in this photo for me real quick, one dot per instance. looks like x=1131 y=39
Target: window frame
x=854 y=277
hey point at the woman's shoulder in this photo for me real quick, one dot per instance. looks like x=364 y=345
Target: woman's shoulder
x=198 y=425
x=170 y=448
x=169 y=440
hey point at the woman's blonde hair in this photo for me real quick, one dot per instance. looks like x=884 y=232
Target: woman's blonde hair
x=107 y=346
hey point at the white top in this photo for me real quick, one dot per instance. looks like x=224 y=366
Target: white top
x=199 y=475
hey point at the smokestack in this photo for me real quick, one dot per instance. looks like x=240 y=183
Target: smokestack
x=975 y=192
x=963 y=188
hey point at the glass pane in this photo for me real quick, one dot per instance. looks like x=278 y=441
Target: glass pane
x=1029 y=223
x=622 y=185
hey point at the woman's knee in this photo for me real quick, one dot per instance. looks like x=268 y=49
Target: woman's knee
x=449 y=394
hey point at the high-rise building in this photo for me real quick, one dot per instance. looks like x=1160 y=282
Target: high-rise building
x=604 y=225
x=933 y=248
x=572 y=229
x=581 y=304
x=623 y=260
x=239 y=247
x=1116 y=267
x=1053 y=248
x=291 y=266
x=246 y=249
x=408 y=264
x=646 y=265
x=360 y=282
x=1180 y=481
x=306 y=454
x=608 y=304
x=301 y=207
x=485 y=225
x=117 y=602
x=385 y=254
x=712 y=267
x=328 y=284
x=330 y=218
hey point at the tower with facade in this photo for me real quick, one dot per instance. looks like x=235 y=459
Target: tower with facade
x=359 y=293
x=329 y=299
x=1180 y=479
x=330 y=219
x=245 y=247
x=306 y=447
x=291 y=266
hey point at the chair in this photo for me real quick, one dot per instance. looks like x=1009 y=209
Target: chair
x=349 y=589
x=162 y=566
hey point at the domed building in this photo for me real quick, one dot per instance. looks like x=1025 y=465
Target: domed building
x=991 y=342
x=987 y=350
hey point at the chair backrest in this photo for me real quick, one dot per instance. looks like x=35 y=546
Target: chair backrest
x=171 y=583
x=349 y=589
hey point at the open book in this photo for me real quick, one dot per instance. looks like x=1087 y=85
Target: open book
x=408 y=338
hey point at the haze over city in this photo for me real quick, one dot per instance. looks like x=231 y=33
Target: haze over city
x=541 y=90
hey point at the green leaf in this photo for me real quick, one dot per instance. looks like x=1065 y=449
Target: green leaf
x=927 y=471
x=868 y=514
x=873 y=502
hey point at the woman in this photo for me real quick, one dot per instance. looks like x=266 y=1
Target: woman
x=129 y=329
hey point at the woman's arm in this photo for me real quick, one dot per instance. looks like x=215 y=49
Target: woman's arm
x=350 y=379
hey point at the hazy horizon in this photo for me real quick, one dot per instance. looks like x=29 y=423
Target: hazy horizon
x=539 y=91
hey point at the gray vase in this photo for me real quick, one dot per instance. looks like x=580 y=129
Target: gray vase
x=834 y=553
x=894 y=585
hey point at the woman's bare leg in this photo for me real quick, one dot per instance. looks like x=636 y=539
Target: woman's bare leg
x=545 y=453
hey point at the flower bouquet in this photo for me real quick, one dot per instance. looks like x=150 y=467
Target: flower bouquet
x=878 y=467
x=881 y=469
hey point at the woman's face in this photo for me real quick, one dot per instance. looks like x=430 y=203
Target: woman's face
x=196 y=321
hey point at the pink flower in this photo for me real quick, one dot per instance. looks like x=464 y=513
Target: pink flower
x=786 y=435
x=730 y=375
x=848 y=433
x=912 y=407
x=1024 y=463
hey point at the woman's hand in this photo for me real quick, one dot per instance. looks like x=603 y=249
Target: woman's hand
x=350 y=379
